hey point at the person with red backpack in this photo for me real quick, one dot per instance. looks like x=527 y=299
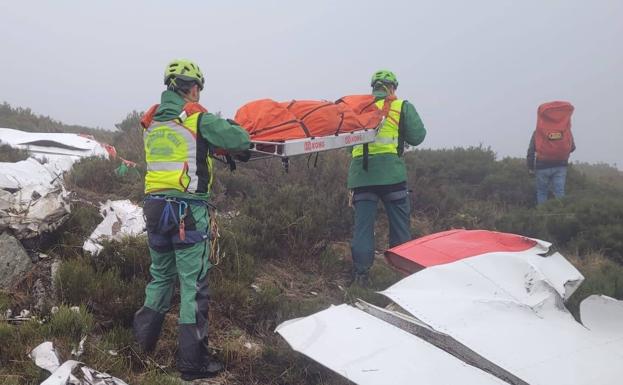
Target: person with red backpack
x=550 y=147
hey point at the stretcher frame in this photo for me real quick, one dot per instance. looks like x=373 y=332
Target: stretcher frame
x=305 y=146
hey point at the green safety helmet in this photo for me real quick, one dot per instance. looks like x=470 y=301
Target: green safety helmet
x=185 y=70
x=384 y=76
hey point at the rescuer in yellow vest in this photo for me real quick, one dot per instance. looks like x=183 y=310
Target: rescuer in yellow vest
x=377 y=172
x=179 y=136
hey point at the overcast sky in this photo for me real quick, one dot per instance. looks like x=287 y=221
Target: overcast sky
x=475 y=70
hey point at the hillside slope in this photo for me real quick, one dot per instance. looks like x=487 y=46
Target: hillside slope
x=284 y=254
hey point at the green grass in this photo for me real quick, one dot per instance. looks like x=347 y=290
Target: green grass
x=72 y=323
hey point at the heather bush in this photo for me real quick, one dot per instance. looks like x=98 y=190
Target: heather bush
x=96 y=177
x=11 y=154
x=112 y=283
x=129 y=139
x=602 y=277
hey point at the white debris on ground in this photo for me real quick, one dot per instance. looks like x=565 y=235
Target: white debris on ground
x=33 y=199
x=503 y=309
x=79 y=350
x=122 y=218
x=46 y=357
x=509 y=307
x=369 y=351
x=55 y=148
x=70 y=372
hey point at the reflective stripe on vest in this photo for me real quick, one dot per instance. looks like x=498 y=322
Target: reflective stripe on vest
x=171 y=155
x=386 y=141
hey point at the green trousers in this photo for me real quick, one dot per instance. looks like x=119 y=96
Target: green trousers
x=398 y=212
x=189 y=264
x=177 y=256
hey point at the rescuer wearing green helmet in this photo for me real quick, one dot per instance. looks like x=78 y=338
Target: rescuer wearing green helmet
x=179 y=136
x=377 y=172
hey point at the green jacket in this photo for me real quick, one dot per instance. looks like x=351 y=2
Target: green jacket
x=385 y=169
x=218 y=132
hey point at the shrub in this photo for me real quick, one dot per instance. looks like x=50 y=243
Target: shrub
x=130 y=257
x=8 y=341
x=75 y=281
x=117 y=338
x=582 y=223
x=112 y=283
x=17 y=340
x=129 y=139
x=12 y=154
x=97 y=175
x=508 y=182
x=290 y=214
x=72 y=323
x=602 y=276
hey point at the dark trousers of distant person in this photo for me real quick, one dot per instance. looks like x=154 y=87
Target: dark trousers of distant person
x=365 y=202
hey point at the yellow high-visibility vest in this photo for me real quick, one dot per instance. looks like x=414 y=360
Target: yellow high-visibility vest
x=386 y=141
x=171 y=156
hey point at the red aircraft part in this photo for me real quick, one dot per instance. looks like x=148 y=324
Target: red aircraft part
x=452 y=245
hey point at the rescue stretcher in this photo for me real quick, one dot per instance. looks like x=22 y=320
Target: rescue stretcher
x=302 y=127
x=304 y=146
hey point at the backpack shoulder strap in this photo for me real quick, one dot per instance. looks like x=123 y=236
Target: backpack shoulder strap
x=148 y=116
x=401 y=130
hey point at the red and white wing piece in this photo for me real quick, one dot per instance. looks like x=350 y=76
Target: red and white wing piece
x=453 y=245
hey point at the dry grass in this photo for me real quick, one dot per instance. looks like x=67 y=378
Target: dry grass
x=602 y=276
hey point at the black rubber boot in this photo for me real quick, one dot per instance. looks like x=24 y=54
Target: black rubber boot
x=193 y=359
x=146 y=327
x=209 y=369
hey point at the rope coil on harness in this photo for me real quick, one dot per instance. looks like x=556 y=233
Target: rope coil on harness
x=215 y=247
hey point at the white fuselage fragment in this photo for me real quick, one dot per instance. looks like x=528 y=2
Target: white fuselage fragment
x=509 y=307
x=368 y=351
x=505 y=307
x=122 y=218
x=33 y=199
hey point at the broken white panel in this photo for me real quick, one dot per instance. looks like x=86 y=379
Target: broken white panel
x=602 y=314
x=369 y=351
x=70 y=372
x=46 y=357
x=508 y=307
x=53 y=144
x=122 y=218
x=76 y=373
x=27 y=173
x=32 y=198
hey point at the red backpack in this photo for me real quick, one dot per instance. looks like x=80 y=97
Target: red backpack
x=553 y=138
